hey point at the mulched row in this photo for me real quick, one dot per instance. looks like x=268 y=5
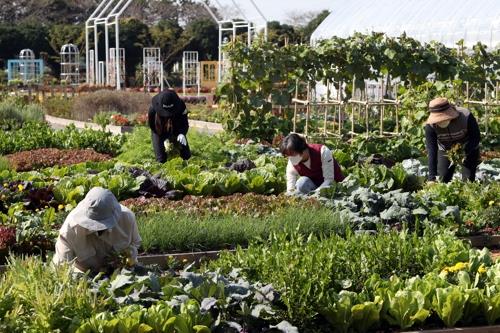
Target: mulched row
x=238 y=204
x=489 y=155
x=48 y=157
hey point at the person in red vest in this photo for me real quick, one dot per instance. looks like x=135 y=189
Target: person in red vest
x=310 y=167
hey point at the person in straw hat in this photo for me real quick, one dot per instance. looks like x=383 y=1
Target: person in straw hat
x=97 y=228
x=447 y=126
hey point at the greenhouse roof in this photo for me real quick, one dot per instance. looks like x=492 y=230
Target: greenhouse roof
x=446 y=21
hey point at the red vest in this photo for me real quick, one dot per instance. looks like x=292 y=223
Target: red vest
x=315 y=173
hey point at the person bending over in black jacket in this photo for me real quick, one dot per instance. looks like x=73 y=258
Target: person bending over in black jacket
x=167 y=118
x=446 y=126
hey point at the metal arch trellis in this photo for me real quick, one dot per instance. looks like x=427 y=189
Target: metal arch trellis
x=190 y=71
x=152 y=68
x=108 y=13
x=26 y=69
x=70 y=64
x=228 y=25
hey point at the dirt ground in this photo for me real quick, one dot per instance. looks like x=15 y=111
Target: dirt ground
x=48 y=157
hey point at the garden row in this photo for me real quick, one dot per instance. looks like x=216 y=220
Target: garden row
x=290 y=283
x=34 y=203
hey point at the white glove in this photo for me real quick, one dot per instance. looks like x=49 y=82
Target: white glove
x=181 y=138
x=166 y=144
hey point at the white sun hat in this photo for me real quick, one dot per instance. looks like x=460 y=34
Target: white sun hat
x=99 y=210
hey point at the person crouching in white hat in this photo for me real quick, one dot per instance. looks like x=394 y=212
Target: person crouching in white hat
x=97 y=228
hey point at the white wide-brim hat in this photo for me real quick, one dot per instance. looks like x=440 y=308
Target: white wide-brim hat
x=99 y=210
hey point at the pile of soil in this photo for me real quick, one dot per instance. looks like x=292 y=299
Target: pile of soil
x=48 y=157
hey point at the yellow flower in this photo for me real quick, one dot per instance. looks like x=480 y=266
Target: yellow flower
x=5 y=185
x=184 y=260
x=20 y=187
x=481 y=269
x=60 y=207
x=491 y=203
x=458 y=267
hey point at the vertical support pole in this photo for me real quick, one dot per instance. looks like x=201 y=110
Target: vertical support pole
x=184 y=74
x=106 y=37
x=96 y=52
x=295 y=106
x=161 y=76
x=308 y=108
x=397 y=116
x=352 y=120
x=326 y=107
x=87 y=51
x=367 y=107
x=467 y=94
x=117 y=50
x=382 y=111
x=486 y=109
x=340 y=109
x=219 y=78
x=198 y=75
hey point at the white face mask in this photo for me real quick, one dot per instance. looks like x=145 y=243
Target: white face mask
x=295 y=159
x=443 y=124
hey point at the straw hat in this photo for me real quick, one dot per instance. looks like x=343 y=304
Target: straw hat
x=99 y=210
x=441 y=110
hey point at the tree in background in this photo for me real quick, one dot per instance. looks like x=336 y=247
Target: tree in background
x=61 y=34
x=166 y=35
x=312 y=25
x=202 y=36
x=282 y=34
x=46 y=11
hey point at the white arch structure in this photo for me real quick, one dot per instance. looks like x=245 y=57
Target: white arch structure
x=108 y=13
x=230 y=25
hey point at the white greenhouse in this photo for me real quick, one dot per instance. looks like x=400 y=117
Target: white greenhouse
x=446 y=21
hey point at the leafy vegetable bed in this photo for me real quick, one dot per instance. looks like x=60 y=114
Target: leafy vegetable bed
x=40 y=135
x=363 y=283
x=47 y=157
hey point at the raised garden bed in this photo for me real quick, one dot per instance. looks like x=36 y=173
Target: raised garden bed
x=480 y=329
x=480 y=241
x=202 y=126
x=48 y=157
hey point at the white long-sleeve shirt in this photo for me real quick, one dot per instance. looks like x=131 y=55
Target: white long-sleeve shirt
x=327 y=167
x=89 y=250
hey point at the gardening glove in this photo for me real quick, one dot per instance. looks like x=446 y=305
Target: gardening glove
x=181 y=138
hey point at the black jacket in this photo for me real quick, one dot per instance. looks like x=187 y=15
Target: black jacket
x=169 y=126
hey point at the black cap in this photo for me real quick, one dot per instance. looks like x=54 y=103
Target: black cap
x=167 y=104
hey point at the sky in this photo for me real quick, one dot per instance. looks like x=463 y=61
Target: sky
x=274 y=10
